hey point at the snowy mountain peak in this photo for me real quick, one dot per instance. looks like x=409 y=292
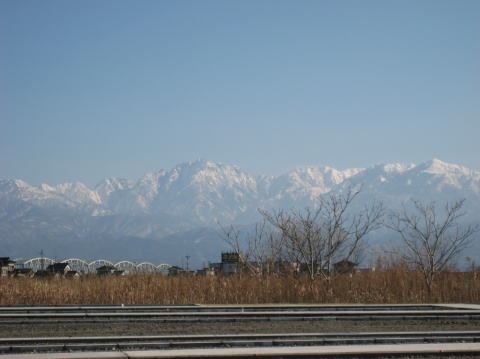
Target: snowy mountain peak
x=111 y=185
x=203 y=172
x=201 y=193
x=397 y=167
x=77 y=192
x=197 y=165
x=13 y=186
x=305 y=184
x=21 y=184
x=205 y=191
x=46 y=188
x=438 y=167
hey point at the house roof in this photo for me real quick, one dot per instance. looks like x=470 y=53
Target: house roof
x=71 y=273
x=344 y=262
x=105 y=268
x=57 y=266
x=4 y=261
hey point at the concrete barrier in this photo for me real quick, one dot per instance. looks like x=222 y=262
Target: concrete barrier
x=294 y=352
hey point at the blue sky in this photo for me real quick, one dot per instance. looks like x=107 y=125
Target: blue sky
x=92 y=89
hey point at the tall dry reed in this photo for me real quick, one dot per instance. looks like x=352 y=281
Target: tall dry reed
x=388 y=286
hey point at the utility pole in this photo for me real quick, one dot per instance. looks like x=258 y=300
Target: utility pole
x=42 y=260
x=187 y=257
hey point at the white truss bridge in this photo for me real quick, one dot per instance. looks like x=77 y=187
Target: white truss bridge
x=86 y=266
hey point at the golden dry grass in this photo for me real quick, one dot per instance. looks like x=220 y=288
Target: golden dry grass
x=388 y=286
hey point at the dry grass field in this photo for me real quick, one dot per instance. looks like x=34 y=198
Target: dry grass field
x=387 y=286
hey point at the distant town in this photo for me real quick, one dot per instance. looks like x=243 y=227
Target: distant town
x=230 y=263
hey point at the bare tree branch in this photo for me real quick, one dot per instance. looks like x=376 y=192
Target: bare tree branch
x=316 y=238
x=431 y=244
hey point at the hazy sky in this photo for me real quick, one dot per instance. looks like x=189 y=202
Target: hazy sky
x=92 y=89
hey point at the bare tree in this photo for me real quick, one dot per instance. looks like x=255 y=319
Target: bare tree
x=431 y=242
x=264 y=247
x=231 y=235
x=301 y=237
x=257 y=249
x=317 y=238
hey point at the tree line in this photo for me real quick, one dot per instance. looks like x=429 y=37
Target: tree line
x=431 y=237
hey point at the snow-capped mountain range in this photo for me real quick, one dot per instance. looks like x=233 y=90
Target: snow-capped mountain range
x=201 y=193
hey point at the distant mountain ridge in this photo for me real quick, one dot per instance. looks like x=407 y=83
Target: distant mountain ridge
x=201 y=193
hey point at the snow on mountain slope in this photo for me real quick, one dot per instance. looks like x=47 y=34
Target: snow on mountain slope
x=67 y=195
x=301 y=186
x=446 y=175
x=183 y=204
x=204 y=192
x=433 y=180
x=110 y=185
x=77 y=193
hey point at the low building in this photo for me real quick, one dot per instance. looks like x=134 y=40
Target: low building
x=58 y=269
x=216 y=267
x=109 y=270
x=23 y=272
x=286 y=267
x=42 y=273
x=206 y=272
x=72 y=274
x=230 y=263
x=7 y=267
x=230 y=268
x=345 y=266
x=175 y=270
